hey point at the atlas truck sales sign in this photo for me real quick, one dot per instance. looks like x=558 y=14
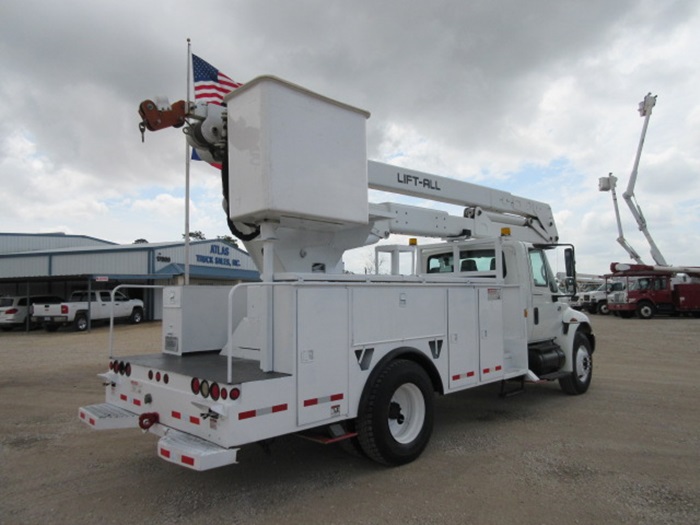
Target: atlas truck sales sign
x=219 y=255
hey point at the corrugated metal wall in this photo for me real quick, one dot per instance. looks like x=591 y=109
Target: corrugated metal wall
x=29 y=266
x=128 y=262
x=20 y=242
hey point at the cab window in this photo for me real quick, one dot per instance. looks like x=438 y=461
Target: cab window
x=541 y=273
x=440 y=263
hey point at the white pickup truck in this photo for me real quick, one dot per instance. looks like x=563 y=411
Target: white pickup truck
x=75 y=311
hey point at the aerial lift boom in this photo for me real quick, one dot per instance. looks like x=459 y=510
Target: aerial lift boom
x=608 y=184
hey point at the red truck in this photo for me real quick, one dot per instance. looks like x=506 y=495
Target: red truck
x=652 y=290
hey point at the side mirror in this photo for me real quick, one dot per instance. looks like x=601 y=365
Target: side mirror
x=570 y=263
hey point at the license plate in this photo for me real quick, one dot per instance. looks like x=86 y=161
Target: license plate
x=47 y=318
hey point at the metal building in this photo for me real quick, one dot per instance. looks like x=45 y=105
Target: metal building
x=57 y=264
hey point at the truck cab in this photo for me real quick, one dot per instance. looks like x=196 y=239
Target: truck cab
x=511 y=262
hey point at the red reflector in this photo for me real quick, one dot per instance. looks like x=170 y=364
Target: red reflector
x=337 y=397
x=82 y=415
x=486 y=370
x=165 y=453
x=498 y=368
x=455 y=378
x=137 y=402
x=176 y=415
x=187 y=460
x=92 y=422
x=470 y=374
x=279 y=408
x=122 y=397
x=246 y=415
x=310 y=402
x=194 y=420
x=195 y=386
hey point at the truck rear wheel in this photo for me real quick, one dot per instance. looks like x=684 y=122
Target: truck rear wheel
x=580 y=378
x=80 y=322
x=396 y=422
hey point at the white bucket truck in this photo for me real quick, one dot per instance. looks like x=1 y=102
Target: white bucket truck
x=315 y=351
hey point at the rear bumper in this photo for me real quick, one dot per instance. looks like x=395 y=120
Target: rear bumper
x=49 y=319
x=175 y=446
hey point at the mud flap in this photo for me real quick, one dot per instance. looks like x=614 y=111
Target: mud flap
x=190 y=451
x=106 y=416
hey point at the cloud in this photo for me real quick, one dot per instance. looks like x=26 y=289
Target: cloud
x=534 y=98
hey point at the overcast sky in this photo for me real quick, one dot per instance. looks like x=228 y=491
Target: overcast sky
x=538 y=98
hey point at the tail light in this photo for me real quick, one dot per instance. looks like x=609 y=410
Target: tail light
x=11 y=311
x=64 y=309
x=204 y=388
x=214 y=391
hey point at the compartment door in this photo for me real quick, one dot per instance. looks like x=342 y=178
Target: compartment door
x=463 y=336
x=322 y=354
x=491 y=333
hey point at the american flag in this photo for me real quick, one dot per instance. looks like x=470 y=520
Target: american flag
x=210 y=84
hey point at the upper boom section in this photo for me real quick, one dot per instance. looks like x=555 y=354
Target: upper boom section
x=501 y=207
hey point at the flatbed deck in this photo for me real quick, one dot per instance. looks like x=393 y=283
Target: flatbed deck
x=206 y=365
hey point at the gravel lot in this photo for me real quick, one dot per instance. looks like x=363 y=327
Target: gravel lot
x=627 y=452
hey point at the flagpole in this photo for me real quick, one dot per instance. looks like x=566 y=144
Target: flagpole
x=187 y=175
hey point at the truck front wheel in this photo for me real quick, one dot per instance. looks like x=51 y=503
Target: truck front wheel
x=136 y=316
x=397 y=420
x=580 y=378
x=603 y=309
x=646 y=310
